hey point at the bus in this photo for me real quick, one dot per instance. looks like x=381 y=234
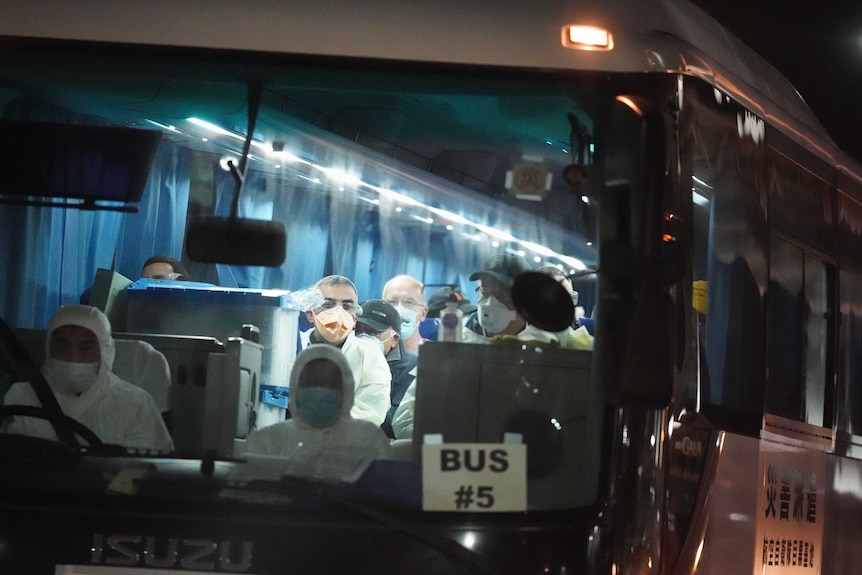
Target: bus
x=708 y=223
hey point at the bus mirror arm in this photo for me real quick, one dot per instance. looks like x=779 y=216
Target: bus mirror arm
x=239 y=179
x=231 y=239
x=633 y=360
x=238 y=172
x=647 y=366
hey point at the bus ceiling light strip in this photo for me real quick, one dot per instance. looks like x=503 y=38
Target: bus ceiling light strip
x=162 y=126
x=236 y=136
x=590 y=38
x=278 y=149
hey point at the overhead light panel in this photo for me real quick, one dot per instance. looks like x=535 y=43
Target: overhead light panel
x=581 y=37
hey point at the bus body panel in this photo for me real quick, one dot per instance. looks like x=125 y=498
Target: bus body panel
x=780 y=506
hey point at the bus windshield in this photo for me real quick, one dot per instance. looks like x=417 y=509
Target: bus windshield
x=417 y=190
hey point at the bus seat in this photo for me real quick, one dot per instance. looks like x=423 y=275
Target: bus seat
x=140 y=363
x=187 y=357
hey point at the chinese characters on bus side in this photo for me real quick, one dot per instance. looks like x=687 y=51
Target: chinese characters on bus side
x=791 y=496
x=794 y=491
x=787 y=553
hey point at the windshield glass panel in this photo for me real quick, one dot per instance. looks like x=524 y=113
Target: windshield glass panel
x=412 y=198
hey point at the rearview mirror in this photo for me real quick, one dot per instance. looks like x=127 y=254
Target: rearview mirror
x=238 y=241
x=235 y=240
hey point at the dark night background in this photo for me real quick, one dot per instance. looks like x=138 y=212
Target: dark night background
x=816 y=45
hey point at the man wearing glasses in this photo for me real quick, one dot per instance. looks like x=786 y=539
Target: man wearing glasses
x=161 y=267
x=407 y=295
x=333 y=323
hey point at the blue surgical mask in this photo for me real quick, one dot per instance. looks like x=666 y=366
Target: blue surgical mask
x=408 y=321
x=318 y=406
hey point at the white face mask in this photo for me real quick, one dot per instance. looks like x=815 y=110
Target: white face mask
x=493 y=315
x=373 y=339
x=408 y=321
x=72 y=378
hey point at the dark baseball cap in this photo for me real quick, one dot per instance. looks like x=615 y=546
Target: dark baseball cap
x=379 y=315
x=438 y=299
x=503 y=268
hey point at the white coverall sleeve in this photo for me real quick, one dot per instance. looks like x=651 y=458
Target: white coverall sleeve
x=402 y=421
x=145 y=428
x=22 y=393
x=371 y=397
x=270 y=440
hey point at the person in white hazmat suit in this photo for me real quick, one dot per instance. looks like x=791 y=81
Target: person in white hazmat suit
x=78 y=367
x=321 y=437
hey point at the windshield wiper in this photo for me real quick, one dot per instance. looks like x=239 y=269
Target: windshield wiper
x=24 y=367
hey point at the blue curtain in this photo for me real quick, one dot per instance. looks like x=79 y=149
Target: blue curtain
x=368 y=237
x=51 y=257
x=51 y=254
x=305 y=213
x=330 y=232
x=159 y=226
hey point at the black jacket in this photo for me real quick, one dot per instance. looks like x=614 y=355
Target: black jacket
x=401 y=363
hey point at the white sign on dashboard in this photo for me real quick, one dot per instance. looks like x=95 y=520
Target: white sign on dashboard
x=473 y=477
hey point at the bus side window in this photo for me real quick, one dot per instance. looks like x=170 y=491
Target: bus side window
x=730 y=240
x=849 y=415
x=796 y=313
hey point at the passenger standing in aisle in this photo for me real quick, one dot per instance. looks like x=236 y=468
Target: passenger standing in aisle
x=380 y=323
x=333 y=324
x=407 y=295
x=496 y=315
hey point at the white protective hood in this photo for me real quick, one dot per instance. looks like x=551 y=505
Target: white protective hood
x=333 y=354
x=90 y=318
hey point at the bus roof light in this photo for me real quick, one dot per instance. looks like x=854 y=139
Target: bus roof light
x=587 y=38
